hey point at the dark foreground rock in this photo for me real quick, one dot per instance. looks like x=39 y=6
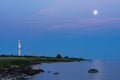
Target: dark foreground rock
x=93 y=71
x=18 y=73
x=31 y=72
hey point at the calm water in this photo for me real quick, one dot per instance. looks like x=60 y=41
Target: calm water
x=108 y=70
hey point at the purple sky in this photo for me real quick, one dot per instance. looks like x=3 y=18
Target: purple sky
x=49 y=27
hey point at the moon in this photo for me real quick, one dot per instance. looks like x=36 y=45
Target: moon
x=95 y=12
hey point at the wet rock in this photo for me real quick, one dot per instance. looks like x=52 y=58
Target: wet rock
x=30 y=71
x=18 y=73
x=93 y=71
x=56 y=73
x=48 y=71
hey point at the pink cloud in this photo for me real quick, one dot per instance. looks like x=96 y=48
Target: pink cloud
x=49 y=12
x=83 y=23
x=98 y=21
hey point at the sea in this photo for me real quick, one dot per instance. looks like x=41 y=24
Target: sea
x=108 y=70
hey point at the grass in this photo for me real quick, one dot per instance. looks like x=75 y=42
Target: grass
x=8 y=61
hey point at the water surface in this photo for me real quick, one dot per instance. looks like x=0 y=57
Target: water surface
x=108 y=70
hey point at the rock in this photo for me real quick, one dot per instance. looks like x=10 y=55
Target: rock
x=14 y=66
x=48 y=71
x=56 y=73
x=93 y=71
x=18 y=73
x=27 y=77
x=30 y=71
x=41 y=70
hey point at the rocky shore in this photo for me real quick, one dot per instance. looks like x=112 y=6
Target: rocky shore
x=22 y=67
x=18 y=73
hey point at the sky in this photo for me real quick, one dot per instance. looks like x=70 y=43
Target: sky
x=66 y=27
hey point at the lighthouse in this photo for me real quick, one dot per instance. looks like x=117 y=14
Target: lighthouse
x=19 y=47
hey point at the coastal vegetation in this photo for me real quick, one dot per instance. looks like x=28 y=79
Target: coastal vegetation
x=7 y=61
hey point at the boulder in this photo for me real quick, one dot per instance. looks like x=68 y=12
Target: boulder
x=93 y=71
x=30 y=71
x=56 y=73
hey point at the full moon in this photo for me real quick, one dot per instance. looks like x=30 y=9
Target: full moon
x=95 y=12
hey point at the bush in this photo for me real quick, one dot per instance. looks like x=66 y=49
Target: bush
x=58 y=56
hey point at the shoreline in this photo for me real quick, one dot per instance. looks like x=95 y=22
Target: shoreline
x=19 y=73
x=21 y=68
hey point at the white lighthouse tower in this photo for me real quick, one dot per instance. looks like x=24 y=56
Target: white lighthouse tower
x=19 y=47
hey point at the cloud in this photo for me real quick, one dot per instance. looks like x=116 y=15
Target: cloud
x=48 y=12
x=98 y=21
x=84 y=23
x=61 y=7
